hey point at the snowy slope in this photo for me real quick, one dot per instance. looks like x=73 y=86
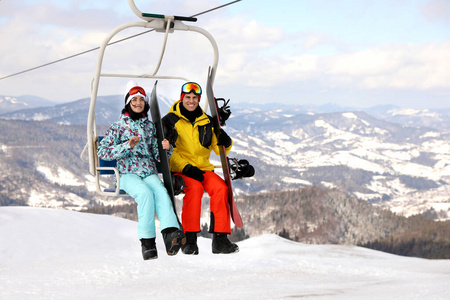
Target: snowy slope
x=60 y=254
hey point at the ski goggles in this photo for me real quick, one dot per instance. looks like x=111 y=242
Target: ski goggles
x=136 y=91
x=191 y=87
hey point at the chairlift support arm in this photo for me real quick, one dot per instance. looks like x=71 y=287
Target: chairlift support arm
x=160 y=23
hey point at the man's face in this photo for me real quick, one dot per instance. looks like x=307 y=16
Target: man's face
x=137 y=104
x=190 y=101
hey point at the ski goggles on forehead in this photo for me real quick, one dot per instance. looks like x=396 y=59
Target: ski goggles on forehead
x=137 y=90
x=191 y=87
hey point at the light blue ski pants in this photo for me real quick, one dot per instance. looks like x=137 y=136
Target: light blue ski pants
x=151 y=196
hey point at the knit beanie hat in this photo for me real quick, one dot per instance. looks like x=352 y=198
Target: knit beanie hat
x=134 y=90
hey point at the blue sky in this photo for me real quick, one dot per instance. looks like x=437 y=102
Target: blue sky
x=355 y=53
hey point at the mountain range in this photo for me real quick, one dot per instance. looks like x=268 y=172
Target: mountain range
x=391 y=157
x=9 y=103
x=108 y=109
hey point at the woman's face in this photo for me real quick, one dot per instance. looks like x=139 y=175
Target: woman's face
x=190 y=101
x=137 y=104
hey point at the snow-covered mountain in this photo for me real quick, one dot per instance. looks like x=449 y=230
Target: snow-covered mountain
x=403 y=168
x=72 y=113
x=433 y=118
x=9 y=104
x=391 y=164
x=60 y=254
x=107 y=109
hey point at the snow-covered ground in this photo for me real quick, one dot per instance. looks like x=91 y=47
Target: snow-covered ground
x=61 y=254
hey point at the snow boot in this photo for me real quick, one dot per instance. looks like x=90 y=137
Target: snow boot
x=221 y=244
x=190 y=247
x=149 y=249
x=174 y=238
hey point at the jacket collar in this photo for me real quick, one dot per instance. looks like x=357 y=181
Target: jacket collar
x=203 y=119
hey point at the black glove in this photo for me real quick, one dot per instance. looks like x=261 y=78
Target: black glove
x=223 y=139
x=170 y=134
x=193 y=172
x=224 y=111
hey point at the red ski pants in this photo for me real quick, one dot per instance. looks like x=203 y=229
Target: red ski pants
x=192 y=203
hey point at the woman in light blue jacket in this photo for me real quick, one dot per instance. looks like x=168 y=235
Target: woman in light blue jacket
x=132 y=142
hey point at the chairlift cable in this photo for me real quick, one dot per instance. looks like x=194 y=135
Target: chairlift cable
x=112 y=43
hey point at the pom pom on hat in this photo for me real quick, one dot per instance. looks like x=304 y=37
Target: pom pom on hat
x=131 y=84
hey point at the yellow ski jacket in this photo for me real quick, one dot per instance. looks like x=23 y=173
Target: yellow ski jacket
x=193 y=142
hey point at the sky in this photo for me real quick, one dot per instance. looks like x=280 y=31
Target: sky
x=61 y=254
x=351 y=53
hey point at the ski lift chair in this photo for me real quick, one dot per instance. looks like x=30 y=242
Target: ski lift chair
x=107 y=167
x=161 y=24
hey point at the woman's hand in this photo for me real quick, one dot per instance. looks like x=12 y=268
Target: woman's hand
x=166 y=145
x=133 y=141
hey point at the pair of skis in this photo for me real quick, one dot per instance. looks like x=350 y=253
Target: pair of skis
x=165 y=168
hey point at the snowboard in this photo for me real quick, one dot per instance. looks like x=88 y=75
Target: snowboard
x=235 y=216
x=163 y=166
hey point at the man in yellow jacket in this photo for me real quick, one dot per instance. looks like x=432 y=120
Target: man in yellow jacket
x=191 y=132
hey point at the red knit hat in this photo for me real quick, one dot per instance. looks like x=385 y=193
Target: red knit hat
x=183 y=94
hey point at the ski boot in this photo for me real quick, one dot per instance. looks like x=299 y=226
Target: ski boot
x=190 y=247
x=174 y=238
x=221 y=244
x=149 y=249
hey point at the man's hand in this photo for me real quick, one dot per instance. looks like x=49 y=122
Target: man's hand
x=166 y=145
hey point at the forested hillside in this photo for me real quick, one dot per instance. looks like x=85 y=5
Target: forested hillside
x=321 y=216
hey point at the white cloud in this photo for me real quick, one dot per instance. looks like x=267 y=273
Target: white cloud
x=408 y=66
x=436 y=10
x=312 y=40
x=253 y=54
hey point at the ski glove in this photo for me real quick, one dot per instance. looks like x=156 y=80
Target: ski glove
x=223 y=139
x=171 y=134
x=224 y=111
x=193 y=172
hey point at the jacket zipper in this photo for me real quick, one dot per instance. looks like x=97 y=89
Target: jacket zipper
x=204 y=135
